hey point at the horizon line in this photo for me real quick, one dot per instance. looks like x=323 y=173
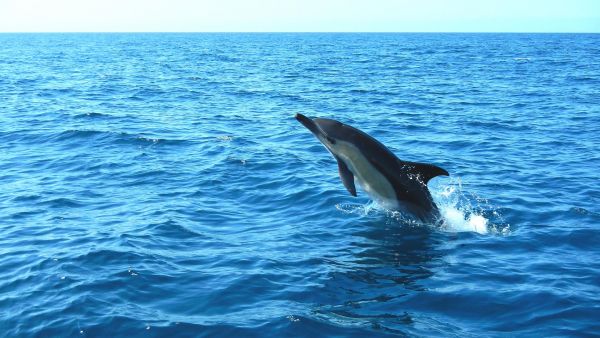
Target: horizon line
x=298 y=32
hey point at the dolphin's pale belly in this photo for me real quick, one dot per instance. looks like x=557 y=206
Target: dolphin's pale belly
x=367 y=176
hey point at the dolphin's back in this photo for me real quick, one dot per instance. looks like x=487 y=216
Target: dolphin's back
x=363 y=141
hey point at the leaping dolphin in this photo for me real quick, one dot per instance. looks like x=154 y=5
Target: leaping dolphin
x=393 y=183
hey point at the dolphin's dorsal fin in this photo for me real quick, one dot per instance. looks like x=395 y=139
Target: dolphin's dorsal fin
x=425 y=171
x=346 y=176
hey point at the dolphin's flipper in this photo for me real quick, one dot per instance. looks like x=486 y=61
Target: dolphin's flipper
x=346 y=176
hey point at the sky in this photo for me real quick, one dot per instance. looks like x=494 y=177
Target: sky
x=300 y=16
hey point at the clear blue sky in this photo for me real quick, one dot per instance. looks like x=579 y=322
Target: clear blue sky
x=300 y=15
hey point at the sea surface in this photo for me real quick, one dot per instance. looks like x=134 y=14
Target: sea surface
x=158 y=185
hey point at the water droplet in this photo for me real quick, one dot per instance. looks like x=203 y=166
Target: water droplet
x=293 y=319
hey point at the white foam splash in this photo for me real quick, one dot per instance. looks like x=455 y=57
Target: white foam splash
x=457 y=211
x=457 y=221
x=358 y=209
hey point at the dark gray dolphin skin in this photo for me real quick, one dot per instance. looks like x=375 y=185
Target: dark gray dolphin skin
x=393 y=183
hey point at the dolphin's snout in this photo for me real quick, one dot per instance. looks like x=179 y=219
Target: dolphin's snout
x=308 y=123
x=301 y=118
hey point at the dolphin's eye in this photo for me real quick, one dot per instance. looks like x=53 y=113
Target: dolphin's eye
x=330 y=140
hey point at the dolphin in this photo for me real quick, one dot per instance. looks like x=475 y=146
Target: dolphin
x=394 y=184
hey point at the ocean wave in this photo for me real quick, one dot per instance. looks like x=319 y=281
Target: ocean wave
x=498 y=125
x=60 y=202
x=92 y=115
x=114 y=137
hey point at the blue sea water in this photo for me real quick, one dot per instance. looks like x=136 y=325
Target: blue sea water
x=158 y=185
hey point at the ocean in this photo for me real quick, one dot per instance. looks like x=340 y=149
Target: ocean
x=158 y=185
